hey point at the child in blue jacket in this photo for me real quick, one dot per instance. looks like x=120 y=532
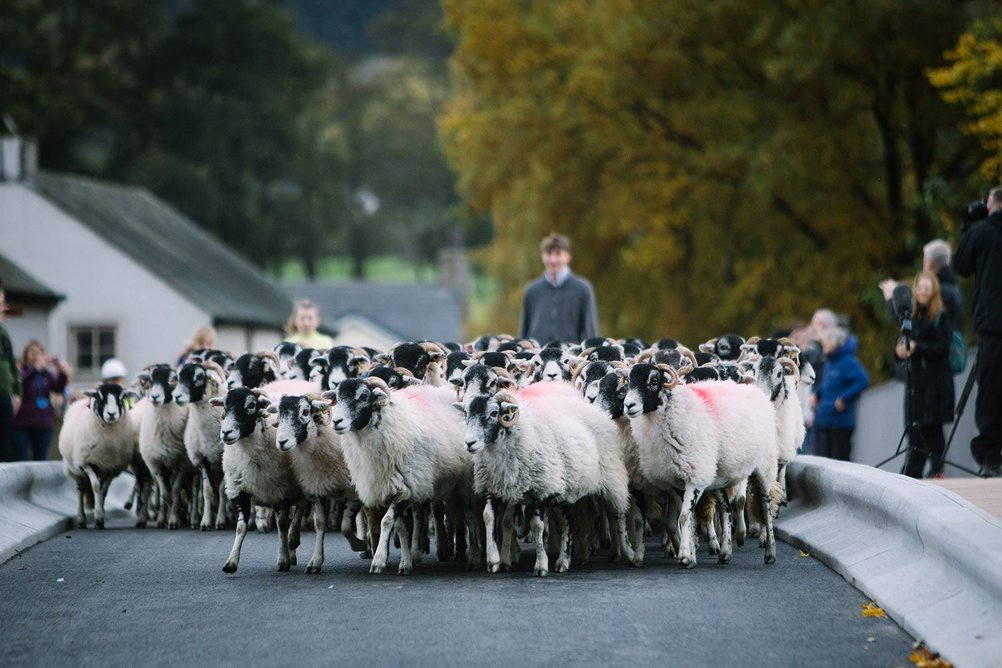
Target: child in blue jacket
x=842 y=381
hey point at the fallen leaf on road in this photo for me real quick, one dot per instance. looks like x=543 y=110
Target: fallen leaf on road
x=59 y=579
x=805 y=554
x=871 y=610
x=923 y=658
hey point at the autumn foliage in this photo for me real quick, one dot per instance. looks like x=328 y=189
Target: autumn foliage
x=724 y=166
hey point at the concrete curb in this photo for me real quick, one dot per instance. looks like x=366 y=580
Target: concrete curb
x=38 y=501
x=929 y=558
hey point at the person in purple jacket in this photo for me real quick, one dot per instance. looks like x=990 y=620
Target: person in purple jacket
x=842 y=381
x=35 y=423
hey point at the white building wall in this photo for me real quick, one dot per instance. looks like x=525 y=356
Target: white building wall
x=32 y=324
x=242 y=339
x=102 y=285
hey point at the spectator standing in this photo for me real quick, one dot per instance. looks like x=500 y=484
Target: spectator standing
x=303 y=324
x=558 y=306
x=41 y=377
x=935 y=260
x=930 y=395
x=979 y=254
x=841 y=384
x=203 y=338
x=10 y=386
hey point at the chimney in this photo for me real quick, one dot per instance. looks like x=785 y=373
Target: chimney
x=18 y=159
x=454 y=273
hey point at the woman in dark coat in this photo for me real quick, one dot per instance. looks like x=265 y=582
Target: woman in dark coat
x=930 y=398
x=42 y=378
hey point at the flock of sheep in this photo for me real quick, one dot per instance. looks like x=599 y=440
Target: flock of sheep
x=483 y=446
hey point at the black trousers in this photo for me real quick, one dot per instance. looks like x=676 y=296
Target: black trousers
x=925 y=442
x=987 y=445
x=6 y=429
x=835 y=442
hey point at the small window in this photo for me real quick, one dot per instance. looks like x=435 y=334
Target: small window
x=90 y=347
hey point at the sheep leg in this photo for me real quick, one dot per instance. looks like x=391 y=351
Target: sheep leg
x=419 y=537
x=509 y=543
x=243 y=504
x=670 y=540
x=474 y=527
x=282 y=523
x=177 y=484
x=81 y=493
x=383 y=543
x=164 y=495
x=352 y=526
x=738 y=495
x=403 y=526
x=635 y=520
x=536 y=523
x=708 y=522
x=563 y=563
x=443 y=538
x=493 y=558
x=726 y=546
x=221 y=504
x=686 y=528
x=320 y=526
x=99 y=488
x=764 y=485
x=297 y=517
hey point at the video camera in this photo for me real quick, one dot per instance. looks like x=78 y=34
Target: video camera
x=976 y=210
x=901 y=302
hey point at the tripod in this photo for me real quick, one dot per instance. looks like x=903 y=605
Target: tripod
x=911 y=426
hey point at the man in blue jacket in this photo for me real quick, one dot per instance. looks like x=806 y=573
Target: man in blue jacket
x=979 y=253
x=843 y=380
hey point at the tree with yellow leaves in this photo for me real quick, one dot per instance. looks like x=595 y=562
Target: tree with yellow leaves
x=725 y=166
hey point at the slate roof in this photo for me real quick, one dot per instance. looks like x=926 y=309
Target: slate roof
x=411 y=312
x=22 y=286
x=171 y=246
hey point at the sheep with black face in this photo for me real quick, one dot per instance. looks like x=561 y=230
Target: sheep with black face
x=161 y=442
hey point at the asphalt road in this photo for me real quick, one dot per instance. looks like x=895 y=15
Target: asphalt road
x=128 y=597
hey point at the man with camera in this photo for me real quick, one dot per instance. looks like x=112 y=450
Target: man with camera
x=979 y=253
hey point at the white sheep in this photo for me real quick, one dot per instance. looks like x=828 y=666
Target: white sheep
x=96 y=444
x=545 y=449
x=303 y=430
x=404 y=449
x=254 y=469
x=161 y=442
x=699 y=438
x=197 y=384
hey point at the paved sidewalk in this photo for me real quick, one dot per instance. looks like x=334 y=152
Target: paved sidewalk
x=986 y=494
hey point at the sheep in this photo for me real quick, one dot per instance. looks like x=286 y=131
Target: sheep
x=727 y=349
x=197 y=384
x=403 y=449
x=454 y=367
x=544 y=449
x=340 y=363
x=702 y=437
x=252 y=370
x=414 y=356
x=396 y=378
x=286 y=352
x=254 y=469
x=161 y=442
x=96 y=445
x=585 y=377
x=303 y=430
x=551 y=364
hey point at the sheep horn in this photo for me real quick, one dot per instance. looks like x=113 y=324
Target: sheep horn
x=271 y=357
x=688 y=354
x=403 y=371
x=379 y=383
x=791 y=366
x=666 y=369
x=508 y=413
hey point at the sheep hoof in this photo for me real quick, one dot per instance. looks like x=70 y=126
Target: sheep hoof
x=292 y=558
x=724 y=558
x=539 y=572
x=405 y=570
x=141 y=524
x=493 y=567
x=740 y=540
x=99 y=524
x=230 y=567
x=220 y=526
x=638 y=562
x=770 y=559
x=562 y=566
x=686 y=562
x=205 y=526
x=173 y=526
x=312 y=569
x=714 y=550
x=375 y=569
x=161 y=525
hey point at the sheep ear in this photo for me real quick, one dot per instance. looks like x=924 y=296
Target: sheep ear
x=217 y=401
x=459 y=407
x=273 y=409
x=145 y=380
x=330 y=395
x=320 y=405
x=131 y=394
x=172 y=379
x=407 y=381
x=90 y=393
